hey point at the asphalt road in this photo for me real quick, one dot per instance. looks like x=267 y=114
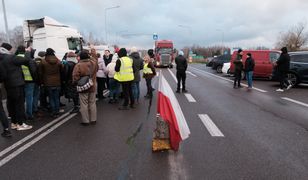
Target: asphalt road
x=235 y=134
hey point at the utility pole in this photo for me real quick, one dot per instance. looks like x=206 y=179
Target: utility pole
x=5 y=22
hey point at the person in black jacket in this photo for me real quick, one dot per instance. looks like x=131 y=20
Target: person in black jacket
x=71 y=88
x=238 y=67
x=5 y=50
x=14 y=84
x=283 y=65
x=249 y=67
x=107 y=59
x=181 y=67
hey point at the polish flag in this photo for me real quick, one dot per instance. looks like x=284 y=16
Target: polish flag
x=170 y=111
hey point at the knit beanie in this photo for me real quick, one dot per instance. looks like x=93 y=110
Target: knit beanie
x=50 y=52
x=122 y=52
x=84 y=54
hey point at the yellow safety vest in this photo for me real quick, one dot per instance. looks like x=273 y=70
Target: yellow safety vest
x=25 y=70
x=126 y=72
x=146 y=69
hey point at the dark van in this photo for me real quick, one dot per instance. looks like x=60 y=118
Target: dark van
x=263 y=62
x=298 y=72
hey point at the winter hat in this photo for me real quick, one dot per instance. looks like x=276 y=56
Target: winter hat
x=284 y=50
x=239 y=51
x=151 y=53
x=41 y=53
x=249 y=54
x=122 y=52
x=181 y=53
x=20 y=50
x=84 y=54
x=50 y=52
x=71 y=54
x=7 y=46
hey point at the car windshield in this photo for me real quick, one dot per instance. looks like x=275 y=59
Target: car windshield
x=165 y=51
x=74 y=43
x=274 y=56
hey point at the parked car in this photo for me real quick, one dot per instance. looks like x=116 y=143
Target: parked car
x=210 y=61
x=298 y=72
x=264 y=60
x=226 y=68
x=219 y=61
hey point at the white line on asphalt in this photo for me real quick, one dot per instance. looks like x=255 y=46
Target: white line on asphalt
x=29 y=144
x=245 y=85
x=157 y=74
x=191 y=73
x=210 y=125
x=173 y=76
x=295 y=101
x=8 y=149
x=189 y=97
x=105 y=92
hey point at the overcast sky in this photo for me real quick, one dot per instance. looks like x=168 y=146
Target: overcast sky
x=241 y=23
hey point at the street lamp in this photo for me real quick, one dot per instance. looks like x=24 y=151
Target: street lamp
x=5 y=22
x=108 y=8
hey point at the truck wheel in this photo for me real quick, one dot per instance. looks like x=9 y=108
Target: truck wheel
x=219 y=69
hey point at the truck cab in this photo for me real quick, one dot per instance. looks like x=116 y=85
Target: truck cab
x=164 y=56
x=46 y=32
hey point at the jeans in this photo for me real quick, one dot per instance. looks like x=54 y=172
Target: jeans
x=114 y=88
x=128 y=94
x=54 y=98
x=249 y=75
x=149 y=87
x=136 y=89
x=29 y=94
x=36 y=96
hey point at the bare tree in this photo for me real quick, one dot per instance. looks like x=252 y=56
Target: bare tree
x=295 y=38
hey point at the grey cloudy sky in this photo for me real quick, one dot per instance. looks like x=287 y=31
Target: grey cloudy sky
x=244 y=23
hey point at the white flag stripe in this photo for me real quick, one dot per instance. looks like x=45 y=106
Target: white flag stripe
x=295 y=101
x=166 y=90
x=210 y=126
x=190 y=98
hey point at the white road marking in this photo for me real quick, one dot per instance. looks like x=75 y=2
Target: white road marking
x=245 y=85
x=176 y=164
x=35 y=140
x=210 y=125
x=157 y=74
x=191 y=73
x=8 y=149
x=189 y=97
x=105 y=92
x=295 y=101
x=173 y=76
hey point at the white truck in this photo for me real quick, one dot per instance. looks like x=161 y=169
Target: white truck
x=46 y=32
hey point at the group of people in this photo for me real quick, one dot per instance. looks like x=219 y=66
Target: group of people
x=282 y=67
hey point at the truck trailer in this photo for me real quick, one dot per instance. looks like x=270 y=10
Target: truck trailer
x=46 y=32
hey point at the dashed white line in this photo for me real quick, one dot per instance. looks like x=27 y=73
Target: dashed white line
x=189 y=97
x=29 y=144
x=245 y=85
x=210 y=126
x=295 y=101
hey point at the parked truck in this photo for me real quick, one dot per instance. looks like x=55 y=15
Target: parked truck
x=164 y=55
x=46 y=32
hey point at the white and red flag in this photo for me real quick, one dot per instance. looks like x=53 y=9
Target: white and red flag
x=170 y=111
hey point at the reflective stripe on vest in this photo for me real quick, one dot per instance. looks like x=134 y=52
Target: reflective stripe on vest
x=25 y=70
x=126 y=72
x=146 y=69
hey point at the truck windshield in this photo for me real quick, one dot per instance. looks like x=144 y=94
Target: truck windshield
x=74 y=43
x=164 y=51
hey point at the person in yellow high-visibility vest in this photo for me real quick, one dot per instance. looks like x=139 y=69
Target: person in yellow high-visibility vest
x=148 y=74
x=125 y=75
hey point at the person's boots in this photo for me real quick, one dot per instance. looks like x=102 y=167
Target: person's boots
x=75 y=110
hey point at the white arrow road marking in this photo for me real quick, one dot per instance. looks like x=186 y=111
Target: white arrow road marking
x=189 y=97
x=295 y=101
x=191 y=73
x=210 y=126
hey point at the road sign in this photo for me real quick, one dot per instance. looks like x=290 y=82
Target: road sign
x=155 y=37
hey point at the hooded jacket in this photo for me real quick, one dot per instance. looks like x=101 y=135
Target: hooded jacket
x=11 y=71
x=181 y=63
x=50 y=71
x=111 y=66
x=101 y=73
x=283 y=63
x=238 y=64
x=137 y=65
